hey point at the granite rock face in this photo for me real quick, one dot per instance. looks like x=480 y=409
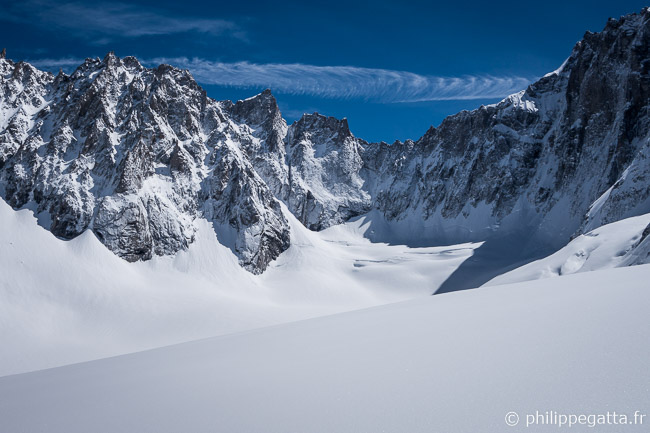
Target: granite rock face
x=566 y=155
x=137 y=155
x=324 y=161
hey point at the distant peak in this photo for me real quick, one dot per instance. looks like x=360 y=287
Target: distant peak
x=430 y=133
x=318 y=120
x=258 y=108
x=131 y=61
x=110 y=58
x=265 y=96
x=3 y=53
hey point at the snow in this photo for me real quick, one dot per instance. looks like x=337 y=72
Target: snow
x=528 y=341
x=70 y=301
x=451 y=363
x=607 y=247
x=598 y=204
x=498 y=246
x=518 y=102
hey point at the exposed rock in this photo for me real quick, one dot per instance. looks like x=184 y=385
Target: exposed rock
x=126 y=150
x=138 y=154
x=537 y=161
x=324 y=161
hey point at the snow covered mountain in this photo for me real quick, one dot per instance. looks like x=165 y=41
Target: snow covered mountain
x=140 y=155
x=236 y=223
x=562 y=157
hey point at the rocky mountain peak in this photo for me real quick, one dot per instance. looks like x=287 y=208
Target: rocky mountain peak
x=137 y=155
x=317 y=122
x=110 y=59
x=259 y=109
x=121 y=150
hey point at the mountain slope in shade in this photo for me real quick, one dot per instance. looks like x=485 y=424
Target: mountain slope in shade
x=566 y=155
x=140 y=155
x=453 y=363
x=619 y=244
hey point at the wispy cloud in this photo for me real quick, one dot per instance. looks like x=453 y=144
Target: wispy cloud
x=348 y=82
x=65 y=63
x=104 y=22
x=335 y=82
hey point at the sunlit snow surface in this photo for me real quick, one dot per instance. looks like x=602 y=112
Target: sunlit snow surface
x=456 y=362
x=70 y=301
x=451 y=363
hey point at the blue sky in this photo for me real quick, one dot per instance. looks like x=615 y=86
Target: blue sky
x=392 y=68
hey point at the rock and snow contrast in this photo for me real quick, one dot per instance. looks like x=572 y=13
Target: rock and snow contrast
x=139 y=156
x=136 y=212
x=70 y=301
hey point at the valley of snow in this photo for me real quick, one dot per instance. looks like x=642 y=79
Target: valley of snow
x=458 y=362
x=156 y=243
x=63 y=302
x=70 y=301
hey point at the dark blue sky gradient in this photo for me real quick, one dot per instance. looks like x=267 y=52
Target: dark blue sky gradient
x=450 y=39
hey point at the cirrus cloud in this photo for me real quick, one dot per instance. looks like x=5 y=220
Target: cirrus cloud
x=348 y=82
x=335 y=82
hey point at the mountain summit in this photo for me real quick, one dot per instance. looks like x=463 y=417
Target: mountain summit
x=137 y=155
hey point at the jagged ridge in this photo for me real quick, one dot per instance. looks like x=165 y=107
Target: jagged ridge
x=137 y=155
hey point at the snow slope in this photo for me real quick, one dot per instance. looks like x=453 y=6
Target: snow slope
x=452 y=363
x=618 y=244
x=71 y=301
